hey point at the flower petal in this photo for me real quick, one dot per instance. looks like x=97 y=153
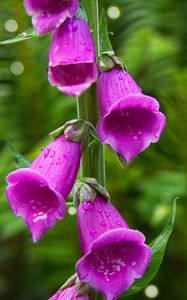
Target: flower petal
x=73 y=79
x=72 y=60
x=31 y=198
x=115 y=260
x=131 y=125
x=107 y=218
x=50 y=14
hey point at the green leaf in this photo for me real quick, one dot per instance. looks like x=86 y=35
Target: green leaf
x=104 y=41
x=81 y=13
x=21 y=162
x=29 y=34
x=158 y=247
x=107 y=59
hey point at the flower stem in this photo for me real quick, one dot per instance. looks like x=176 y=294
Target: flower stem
x=93 y=164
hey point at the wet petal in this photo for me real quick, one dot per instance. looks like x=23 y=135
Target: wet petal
x=116 y=259
x=50 y=14
x=31 y=198
x=131 y=125
x=72 y=63
x=130 y=121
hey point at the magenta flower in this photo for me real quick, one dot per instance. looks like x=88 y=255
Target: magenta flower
x=114 y=255
x=38 y=193
x=72 y=60
x=69 y=293
x=130 y=120
x=50 y=14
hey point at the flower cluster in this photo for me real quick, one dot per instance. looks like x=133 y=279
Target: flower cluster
x=114 y=255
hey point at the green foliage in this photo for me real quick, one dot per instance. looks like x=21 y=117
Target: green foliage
x=158 y=247
x=29 y=34
x=150 y=36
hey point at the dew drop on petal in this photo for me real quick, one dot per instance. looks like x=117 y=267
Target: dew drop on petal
x=56 y=49
x=93 y=232
x=107 y=214
x=87 y=206
x=103 y=224
x=42 y=183
x=52 y=154
x=88 y=49
x=67 y=155
x=46 y=153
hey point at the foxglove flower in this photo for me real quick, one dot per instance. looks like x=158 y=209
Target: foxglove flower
x=38 y=193
x=114 y=254
x=69 y=293
x=50 y=14
x=72 y=60
x=74 y=289
x=130 y=120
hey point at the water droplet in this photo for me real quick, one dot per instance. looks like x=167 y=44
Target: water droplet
x=120 y=77
x=42 y=183
x=107 y=214
x=83 y=42
x=134 y=263
x=118 y=223
x=139 y=132
x=74 y=26
x=58 y=162
x=135 y=137
x=52 y=154
x=66 y=45
x=46 y=152
x=93 y=232
x=67 y=155
x=88 y=49
x=40 y=166
x=87 y=206
x=56 y=49
x=103 y=224
x=99 y=210
x=157 y=135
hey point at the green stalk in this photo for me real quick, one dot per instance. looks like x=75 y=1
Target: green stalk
x=93 y=164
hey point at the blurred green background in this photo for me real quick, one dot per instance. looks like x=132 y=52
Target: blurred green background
x=151 y=36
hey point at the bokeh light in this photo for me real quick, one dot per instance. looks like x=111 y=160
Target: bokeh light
x=11 y=25
x=17 y=68
x=72 y=211
x=151 y=291
x=113 y=12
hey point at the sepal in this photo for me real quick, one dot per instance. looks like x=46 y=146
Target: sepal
x=87 y=189
x=81 y=13
x=75 y=130
x=107 y=59
x=71 y=281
